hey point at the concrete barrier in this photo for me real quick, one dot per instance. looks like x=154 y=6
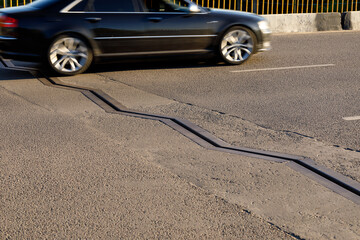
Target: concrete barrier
x=351 y=21
x=305 y=22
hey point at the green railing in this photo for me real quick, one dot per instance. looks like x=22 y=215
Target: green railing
x=258 y=6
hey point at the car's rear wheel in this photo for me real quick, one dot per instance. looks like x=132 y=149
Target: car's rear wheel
x=237 y=45
x=69 y=55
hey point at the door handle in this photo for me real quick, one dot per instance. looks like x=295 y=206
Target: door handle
x=93 y=20
x=155 y=19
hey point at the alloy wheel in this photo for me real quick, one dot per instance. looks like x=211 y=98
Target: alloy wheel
x=237 y=46
x=69 y=55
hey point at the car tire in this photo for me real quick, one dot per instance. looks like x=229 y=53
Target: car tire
x=69 y=55
x=237 y=45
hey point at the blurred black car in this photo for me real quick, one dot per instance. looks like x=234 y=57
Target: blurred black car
x=69 y=34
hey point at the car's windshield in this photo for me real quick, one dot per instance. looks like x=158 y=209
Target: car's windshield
x=166 y=5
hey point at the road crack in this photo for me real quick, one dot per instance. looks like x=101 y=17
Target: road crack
x=285 y=131
x=330 y=179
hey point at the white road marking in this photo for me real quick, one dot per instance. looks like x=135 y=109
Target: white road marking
x=351 y=118
x=284 y=68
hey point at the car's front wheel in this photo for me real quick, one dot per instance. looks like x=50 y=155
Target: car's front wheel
x=69 y=55
x=237 y=45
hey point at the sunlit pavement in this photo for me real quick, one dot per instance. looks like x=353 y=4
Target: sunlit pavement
x=69 y=169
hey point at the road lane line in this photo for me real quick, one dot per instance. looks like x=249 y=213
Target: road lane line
x=284 y=68
x=351 y=118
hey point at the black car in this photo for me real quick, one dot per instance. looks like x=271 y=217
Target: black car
x=68 y=35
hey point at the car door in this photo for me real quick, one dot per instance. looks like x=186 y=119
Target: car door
x=116 y=25
x=170 y=26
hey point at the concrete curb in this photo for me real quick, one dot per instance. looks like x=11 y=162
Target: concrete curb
x=351 y=21
x=305 y=22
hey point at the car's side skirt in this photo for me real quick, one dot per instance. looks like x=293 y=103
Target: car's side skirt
x=154 y=53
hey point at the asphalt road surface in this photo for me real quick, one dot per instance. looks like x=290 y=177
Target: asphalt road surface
x=307 y=84
x=68 y=169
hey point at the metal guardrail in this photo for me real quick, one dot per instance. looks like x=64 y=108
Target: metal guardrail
x=257 y=6
x=13 y=3
x=283 y=6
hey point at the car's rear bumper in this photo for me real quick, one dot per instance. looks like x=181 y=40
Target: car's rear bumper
x=11 y=48
x=4 y=38
x=20 y=56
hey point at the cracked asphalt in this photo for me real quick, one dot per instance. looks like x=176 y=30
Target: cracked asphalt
x=70 y=170
x=308 y=101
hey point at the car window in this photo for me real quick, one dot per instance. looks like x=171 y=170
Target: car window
x=80 y=6
x=166 y=5
x=110 y=6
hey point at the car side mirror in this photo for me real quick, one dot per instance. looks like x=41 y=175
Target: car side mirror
x=193 y=8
